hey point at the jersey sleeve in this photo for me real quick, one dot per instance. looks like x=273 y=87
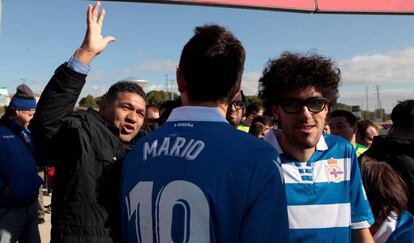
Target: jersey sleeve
x=361 y=215
x=266 y=219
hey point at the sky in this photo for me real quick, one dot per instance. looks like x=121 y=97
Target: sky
x=372 y=51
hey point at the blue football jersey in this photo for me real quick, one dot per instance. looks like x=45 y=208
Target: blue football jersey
x=198 y=179
x=396 y=229
x=325 y=195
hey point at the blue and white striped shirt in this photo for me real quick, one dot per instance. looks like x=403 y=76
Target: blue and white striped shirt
x=325 y=195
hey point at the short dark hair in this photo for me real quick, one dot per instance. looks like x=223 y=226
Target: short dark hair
x=123 y=86
x=256 y=128
x=242 y=96
x=166 y=108
x=350 y=118
x=212 y=64
x=253 y=109
x=293 y=71
x=363 y=126
x=385 y=189
x=265 y=120
x=154 y=107
x=10 y=112
x=402 y=115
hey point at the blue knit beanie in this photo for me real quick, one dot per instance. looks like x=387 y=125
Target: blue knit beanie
x=23 y=99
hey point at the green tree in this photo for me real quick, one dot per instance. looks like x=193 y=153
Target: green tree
x=340 y=106
x=157 y=97
x=98 y=100
x=88 y=101
x=253 y=99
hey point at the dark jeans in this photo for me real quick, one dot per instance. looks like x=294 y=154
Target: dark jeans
x=20 y=223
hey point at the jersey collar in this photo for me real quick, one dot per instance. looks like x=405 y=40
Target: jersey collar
x=196 y=113
x=386 y=229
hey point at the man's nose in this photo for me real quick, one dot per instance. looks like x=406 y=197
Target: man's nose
x=305 y=112
x=132 y=117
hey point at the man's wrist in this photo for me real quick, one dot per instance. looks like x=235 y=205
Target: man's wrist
x=78 y=66
x=85 y=55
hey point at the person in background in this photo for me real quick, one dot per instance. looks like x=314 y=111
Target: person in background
x=252 y=111
x=257 y=129
x=266 y=121
x=152 y=114
x=87 y=148
x=196 y=178
x=236 y=109
x=19 y=181
x=343 y=123
x=151 y=122
x=326 y=201
x=260 y=126
x=397 y=148
x=327 y=128
x=367 y=130
x=166 y=109
x=388 y=196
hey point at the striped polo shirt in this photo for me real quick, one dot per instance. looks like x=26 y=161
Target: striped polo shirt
x=325 y=196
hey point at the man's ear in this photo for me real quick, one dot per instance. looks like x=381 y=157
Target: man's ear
x=181 y=83
x=275 y=111
x=18 y=112
x=354 y=129
x=103 y=105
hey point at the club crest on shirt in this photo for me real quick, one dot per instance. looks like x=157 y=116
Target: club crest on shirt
x=333 y=171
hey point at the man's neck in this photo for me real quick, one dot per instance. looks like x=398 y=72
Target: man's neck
x=353 y=140
x=297 y=152
x=221 y=107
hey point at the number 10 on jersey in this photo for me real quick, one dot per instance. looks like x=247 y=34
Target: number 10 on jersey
x=177 y=197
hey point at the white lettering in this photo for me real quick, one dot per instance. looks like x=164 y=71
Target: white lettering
x=164 y=147
x=179 y=143
x=180 y=147
x=148 y=150
x=186 y=148
x=195 y=150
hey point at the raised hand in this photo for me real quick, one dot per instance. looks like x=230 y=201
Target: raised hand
x=94 y=43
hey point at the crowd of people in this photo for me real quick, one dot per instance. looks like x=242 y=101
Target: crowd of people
x=206 y=167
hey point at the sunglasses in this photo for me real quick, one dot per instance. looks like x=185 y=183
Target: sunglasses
x=238 y=104
x=314 y=104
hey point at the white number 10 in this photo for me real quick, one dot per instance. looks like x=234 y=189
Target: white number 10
x=196 y=227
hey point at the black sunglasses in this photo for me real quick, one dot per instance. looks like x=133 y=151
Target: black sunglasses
x=238 y=104
x=314 y=104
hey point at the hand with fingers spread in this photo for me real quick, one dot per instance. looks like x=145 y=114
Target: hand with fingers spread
x=94 y=43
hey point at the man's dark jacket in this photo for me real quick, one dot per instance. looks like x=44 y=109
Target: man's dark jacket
x=87 y=154
x=399 y=153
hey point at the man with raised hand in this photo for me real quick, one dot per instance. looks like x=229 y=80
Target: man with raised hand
x=325 y=196
x=87 y=148
x=196 y=178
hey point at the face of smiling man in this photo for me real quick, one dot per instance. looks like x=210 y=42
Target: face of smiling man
x=125 y=112
x=301 y=129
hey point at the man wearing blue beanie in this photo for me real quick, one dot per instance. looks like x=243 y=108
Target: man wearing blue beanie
x=19 y=181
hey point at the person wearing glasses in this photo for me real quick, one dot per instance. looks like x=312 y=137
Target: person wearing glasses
x=326 y=201
x=236 y=109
